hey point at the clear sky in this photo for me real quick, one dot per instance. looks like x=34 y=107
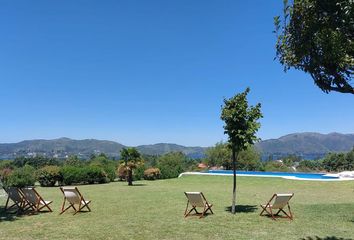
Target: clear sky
x=144 y=72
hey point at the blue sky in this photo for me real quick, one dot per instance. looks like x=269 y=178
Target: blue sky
x=143 y=72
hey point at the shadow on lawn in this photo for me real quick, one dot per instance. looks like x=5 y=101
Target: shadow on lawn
x=8 y=215
x=243 y=208
x=13 y=214
x=325 y=238
x=137 y=185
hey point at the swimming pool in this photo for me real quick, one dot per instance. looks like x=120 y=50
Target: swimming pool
x=290 y=175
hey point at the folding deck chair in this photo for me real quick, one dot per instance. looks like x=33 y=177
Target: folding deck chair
x=278 y=202
x=73 y=196
x=16 y=196
x=34 y=200
x=197 y=199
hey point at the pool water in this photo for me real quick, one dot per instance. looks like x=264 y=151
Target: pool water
x=276 y=174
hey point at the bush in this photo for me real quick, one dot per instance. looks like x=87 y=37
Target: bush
x=71 y=174
x=106 y=164
x=47 y=176
x=171 y=164
x=110 y=171
x=6 y=164
x=138 y=172
x=152 y=174
x=274 y=166
x=82 y=175
x=94 y=174
x=21 y=177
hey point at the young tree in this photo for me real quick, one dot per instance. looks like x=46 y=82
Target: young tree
x=131 y=157
x=317 y=37
x=241 y=125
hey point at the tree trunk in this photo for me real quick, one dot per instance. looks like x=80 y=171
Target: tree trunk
x=234 y=158
x=130 y=177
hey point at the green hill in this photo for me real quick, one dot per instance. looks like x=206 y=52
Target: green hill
x=308 y=145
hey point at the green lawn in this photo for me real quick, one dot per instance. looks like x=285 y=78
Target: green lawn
x=154 y=210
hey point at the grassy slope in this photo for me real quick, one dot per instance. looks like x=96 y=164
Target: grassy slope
x=154 y=210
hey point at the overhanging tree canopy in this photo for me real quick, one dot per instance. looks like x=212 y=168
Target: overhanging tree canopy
x=317 y=37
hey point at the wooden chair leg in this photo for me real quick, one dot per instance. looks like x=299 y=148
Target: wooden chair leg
x=271 y=213
x=79 y=209
x=185 y=211
x=203 y=212
x=264 y=210
x=62 y=208
x=190 y=212
x=291 y=214
x=211 y=210
x=7 y=202
x=86 y=205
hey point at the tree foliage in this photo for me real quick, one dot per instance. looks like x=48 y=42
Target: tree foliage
x=241 y=125
x=20 y=177
x=221 y=155
x=36 y=161
x=73 y=160
x=317 y=37
x=108 y=165
x=332 y=162
x=48 y=176
x=241 y=121
x=172 y=164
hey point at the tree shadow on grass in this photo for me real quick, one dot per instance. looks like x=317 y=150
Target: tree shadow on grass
x=9 y=215
x=325 y=238
x=137 y=185
x=198 y=215
x=14 y=214
x=243 y=208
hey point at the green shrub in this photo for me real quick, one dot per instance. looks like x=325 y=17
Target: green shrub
x=82 y=175
x=138 y=172
x=152 y=174
x=6 y=164
x=274 y=166
x=21 y=177
x=171 y=164
x=72 y=174
x=110 y=171
x=94 y=174
x=106 y=164
x=47 y=176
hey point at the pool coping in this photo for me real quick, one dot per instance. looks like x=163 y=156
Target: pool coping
x=285 y=177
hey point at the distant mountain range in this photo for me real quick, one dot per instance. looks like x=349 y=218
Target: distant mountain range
x=308 y=145
x=63 y=147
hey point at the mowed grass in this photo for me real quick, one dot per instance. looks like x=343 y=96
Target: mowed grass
x=154 y=210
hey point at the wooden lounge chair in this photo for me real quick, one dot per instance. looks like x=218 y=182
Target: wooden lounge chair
x=278 y=202
x=15 y=195
x=197 y=199
x=73 y=196
x=34 y=200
